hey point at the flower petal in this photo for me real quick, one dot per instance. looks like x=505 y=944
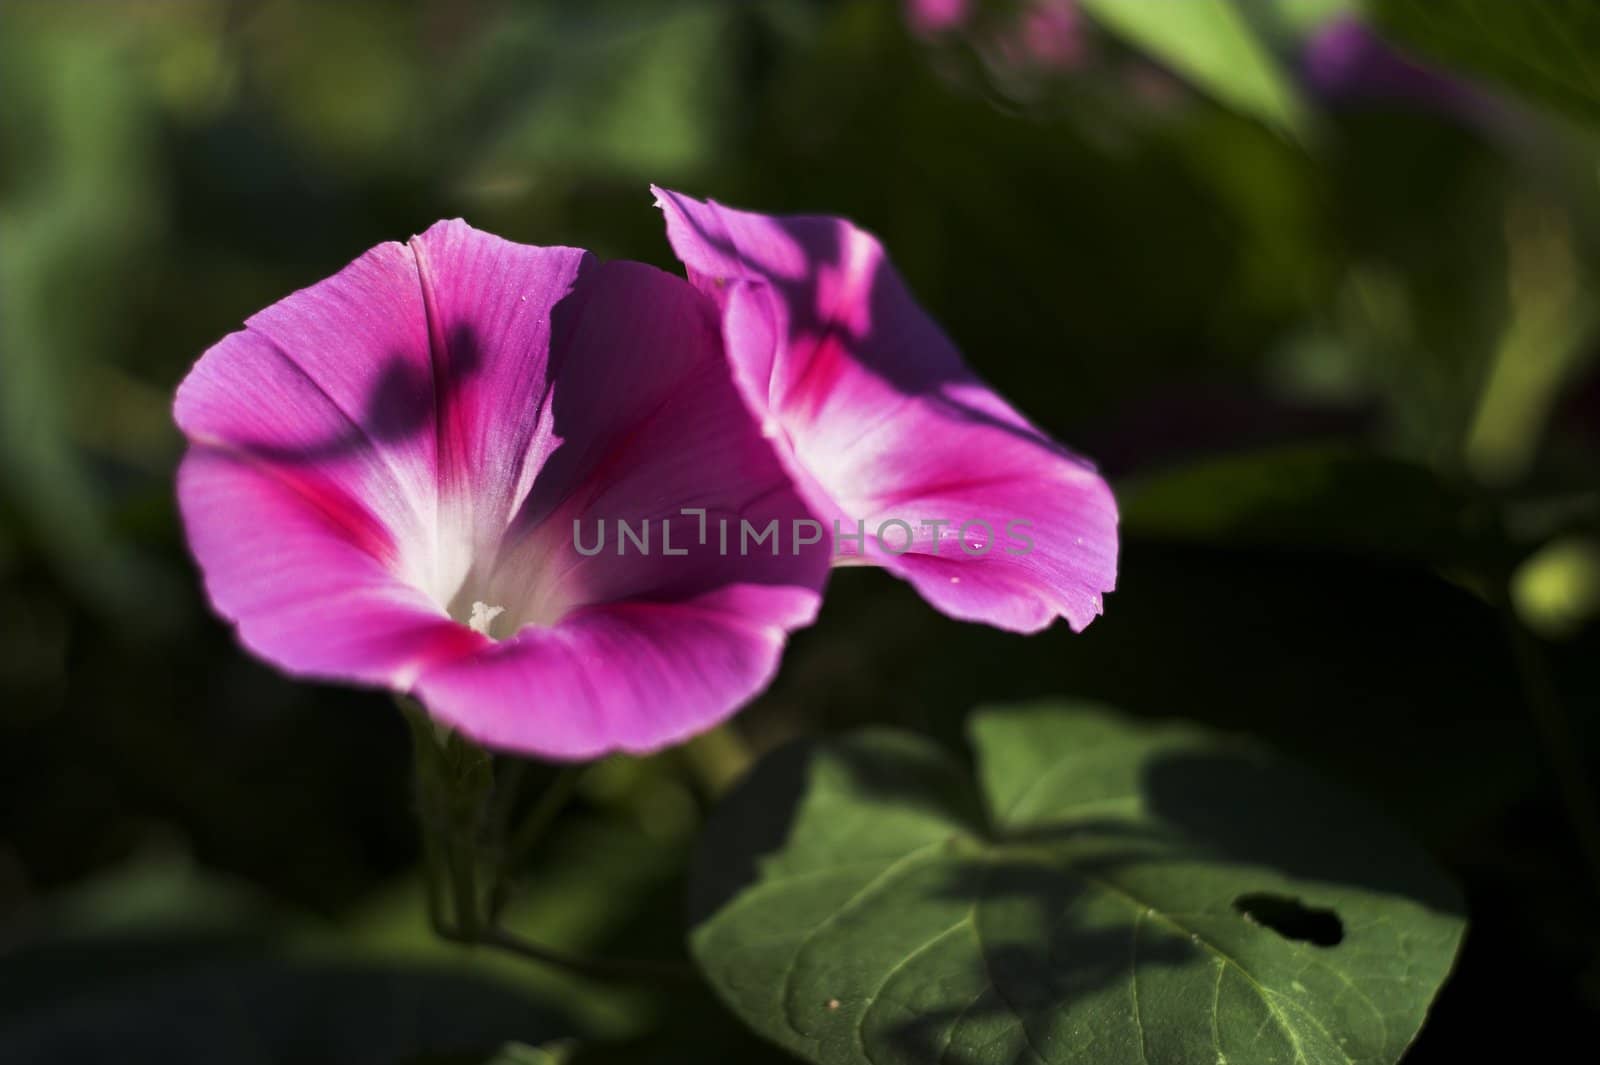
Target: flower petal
x=492 y=307
x=308 y=574
x=644 y=647
x=877 y=417
x=648 y=425
x=634 y=675
x=333 y=383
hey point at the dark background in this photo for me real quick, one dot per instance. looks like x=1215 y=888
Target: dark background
x=1343 y=379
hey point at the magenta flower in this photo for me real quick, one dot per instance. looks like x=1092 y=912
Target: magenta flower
x=1347 y=62
x=878 y=420
x=385 y=470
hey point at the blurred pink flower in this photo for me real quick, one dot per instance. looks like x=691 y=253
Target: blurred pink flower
x=385 y=468
x=1051 y=35
x=876 y=417
x=1346 y=61
x=1025 y=51
x=932 y=17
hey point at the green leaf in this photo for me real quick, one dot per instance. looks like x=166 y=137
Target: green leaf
x=1549 y=50
x=1213 y=44
x=1119 y=893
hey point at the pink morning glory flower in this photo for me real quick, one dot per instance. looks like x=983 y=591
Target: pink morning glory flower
x=879 y=421
x=385 y=470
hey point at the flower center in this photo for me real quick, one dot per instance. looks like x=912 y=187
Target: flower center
x=483 y=616
x=500 y=591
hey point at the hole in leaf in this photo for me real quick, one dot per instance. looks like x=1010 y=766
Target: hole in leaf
x=1292 y=919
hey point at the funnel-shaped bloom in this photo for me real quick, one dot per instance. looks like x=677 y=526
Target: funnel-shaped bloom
x=385 y=470
x=871 y=409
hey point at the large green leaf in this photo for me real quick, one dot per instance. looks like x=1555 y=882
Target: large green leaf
x=1214 y=45
x=1118 y=893
x=1547 y=49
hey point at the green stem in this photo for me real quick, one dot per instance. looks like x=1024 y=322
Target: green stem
x=581 y=965
x=432 y=875
x=509 y=774
x=464 y=881
x=452 y=785
x=521 y=843
x=429 y=815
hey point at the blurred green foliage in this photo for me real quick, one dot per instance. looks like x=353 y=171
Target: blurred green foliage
x=1546 y=50
x=1340 y=363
